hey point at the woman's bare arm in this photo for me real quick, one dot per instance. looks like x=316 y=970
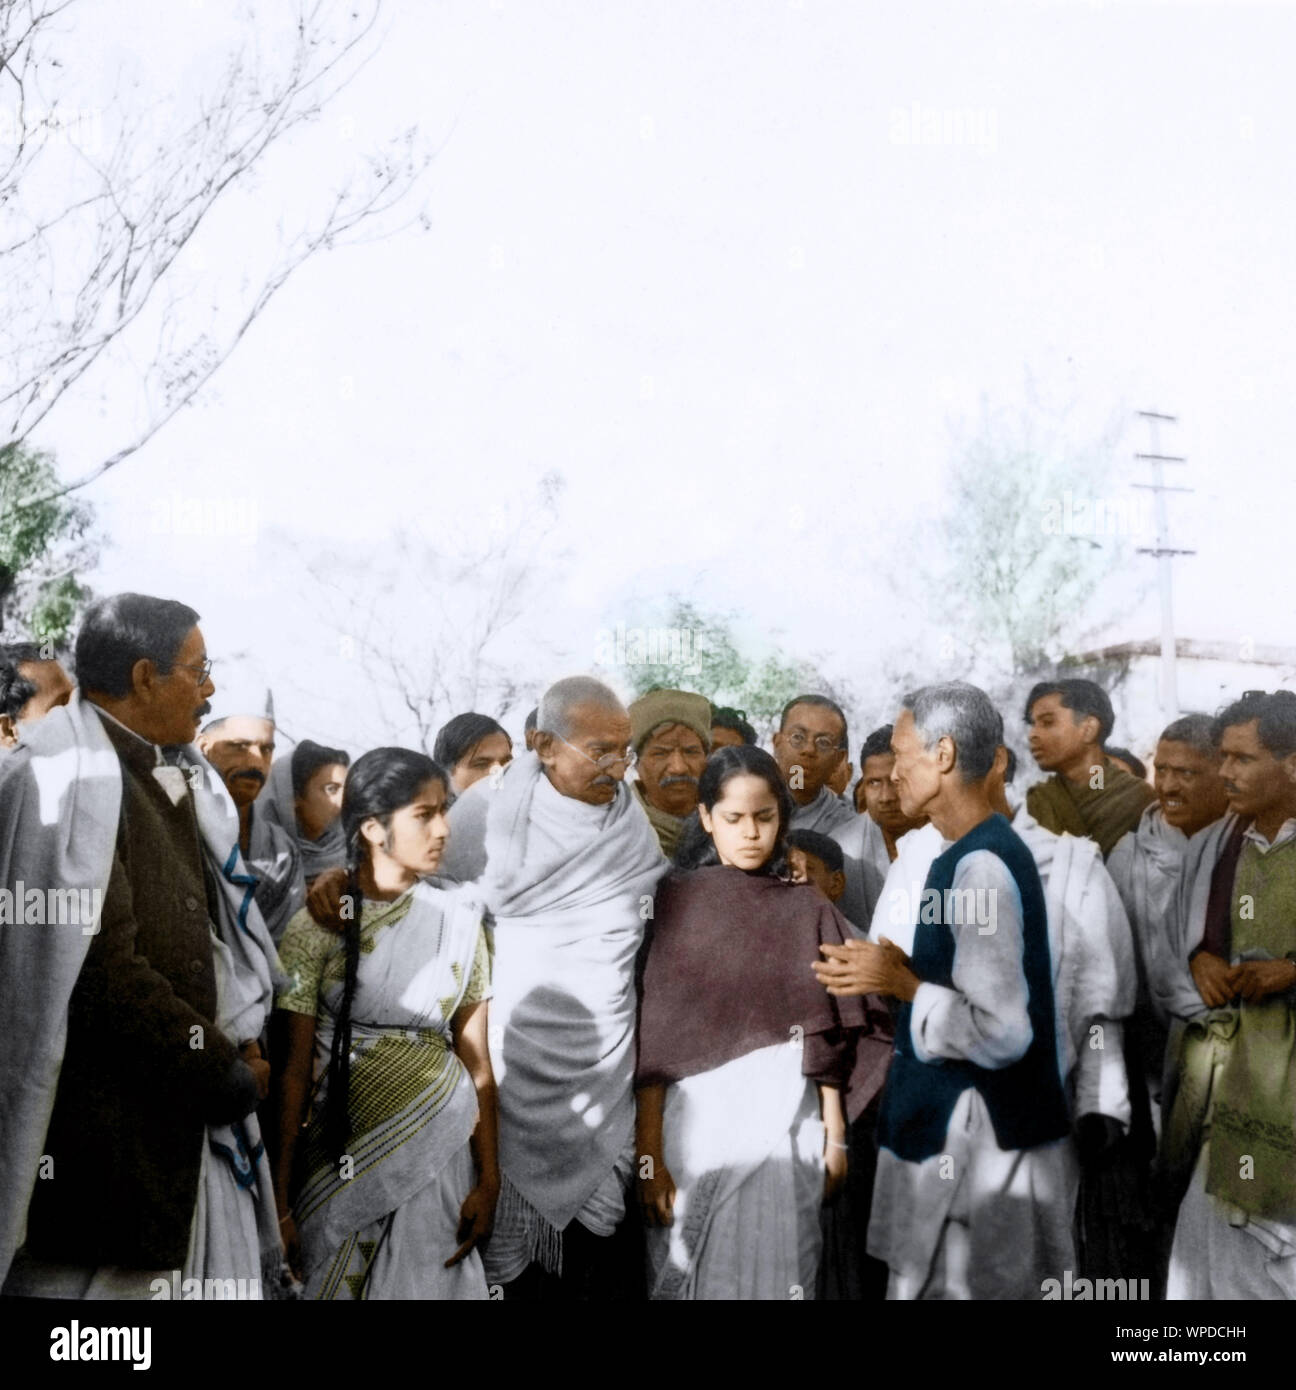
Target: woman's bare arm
x=477 y=1215
x=656 y=1186
x=292 y=1085
x=834 y=1122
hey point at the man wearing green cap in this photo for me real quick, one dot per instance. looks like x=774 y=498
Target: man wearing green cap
x=671 y=734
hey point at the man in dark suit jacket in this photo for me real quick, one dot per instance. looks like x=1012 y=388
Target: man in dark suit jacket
x=145 y=1068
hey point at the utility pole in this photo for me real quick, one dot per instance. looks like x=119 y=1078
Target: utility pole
x=1165 y=554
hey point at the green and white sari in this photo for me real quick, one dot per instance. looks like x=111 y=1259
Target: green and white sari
x=381 y=1222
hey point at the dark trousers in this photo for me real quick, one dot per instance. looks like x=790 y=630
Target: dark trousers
x=595 y=1269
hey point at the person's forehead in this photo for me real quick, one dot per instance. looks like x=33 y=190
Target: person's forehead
x=249 y=728
x=748 y=789
x=329 y=772
x=1049 y=704
x=903 y=729
x=814 y=718
x=673 y=734
x=430 y=793
x=1242 y=736
x=877 y=765
x=1181 y=754
x=193 y=647
x=590 y=721
x=489 y=742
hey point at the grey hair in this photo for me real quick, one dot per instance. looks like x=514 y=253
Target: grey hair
x=1197 y=731
x=557 y=703
x=963 y=713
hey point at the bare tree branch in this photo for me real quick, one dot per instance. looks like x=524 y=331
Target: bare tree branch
x=139 y=206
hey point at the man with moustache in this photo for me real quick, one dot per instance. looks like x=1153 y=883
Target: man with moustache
x=1147 y=865
x=1070 y=722
x=32 y=682
x=567 y=864
x=809 y=747
x=240 y=745
x=111 y=1062
x=1229 y=985
x=670 y=731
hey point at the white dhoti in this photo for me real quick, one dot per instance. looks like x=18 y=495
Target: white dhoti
x=744 y=1147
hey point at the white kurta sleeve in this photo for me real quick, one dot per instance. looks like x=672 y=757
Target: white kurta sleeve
x=983 y=1018
x=1106 y=967
x=1101 y=1081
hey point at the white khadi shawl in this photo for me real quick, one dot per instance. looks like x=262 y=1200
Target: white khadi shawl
x=60 y=803
x=60 y=799
x=568 y=923
x=1147 y=865
x=1094 y=977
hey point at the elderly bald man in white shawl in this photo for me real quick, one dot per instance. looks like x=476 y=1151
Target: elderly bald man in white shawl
x=567 y=863
x=239 y=742
x=1092 y=956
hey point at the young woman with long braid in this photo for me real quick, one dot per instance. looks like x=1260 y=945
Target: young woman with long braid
x=393 y=1175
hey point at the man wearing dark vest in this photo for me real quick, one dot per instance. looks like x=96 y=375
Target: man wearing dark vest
x=111 y=1064
x=973 y=1159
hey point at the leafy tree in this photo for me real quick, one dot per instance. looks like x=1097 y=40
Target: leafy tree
x=699 y=651
x=44 y=550
x=1036 y=523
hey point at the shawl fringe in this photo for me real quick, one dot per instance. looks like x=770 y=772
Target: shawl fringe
x=539 y=1237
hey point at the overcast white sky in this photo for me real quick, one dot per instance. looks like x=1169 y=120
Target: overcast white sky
x=693 y=256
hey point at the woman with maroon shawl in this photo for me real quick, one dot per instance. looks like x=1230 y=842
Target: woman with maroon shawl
x=742 y=1054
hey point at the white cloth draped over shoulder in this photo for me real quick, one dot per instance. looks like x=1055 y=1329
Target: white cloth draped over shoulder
x=60 y=801
x=1094 y=976
x=1174 y=991
x=236 y=1225
x=568 y=888
x=1147 y=865
x=277 y=805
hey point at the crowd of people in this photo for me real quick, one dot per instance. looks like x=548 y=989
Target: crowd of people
x=640 y=1010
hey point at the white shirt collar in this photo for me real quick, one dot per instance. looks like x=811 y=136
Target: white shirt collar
x=1286 y=831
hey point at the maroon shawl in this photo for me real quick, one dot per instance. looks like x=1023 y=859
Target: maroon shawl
x=728 y=972
x=1218 y=936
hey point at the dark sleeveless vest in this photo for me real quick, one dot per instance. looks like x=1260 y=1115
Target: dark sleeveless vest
x=1026 y=1101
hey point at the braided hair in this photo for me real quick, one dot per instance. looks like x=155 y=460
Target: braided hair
x=379 y=784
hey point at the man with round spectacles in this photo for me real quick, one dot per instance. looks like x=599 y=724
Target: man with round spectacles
x=566 y=863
